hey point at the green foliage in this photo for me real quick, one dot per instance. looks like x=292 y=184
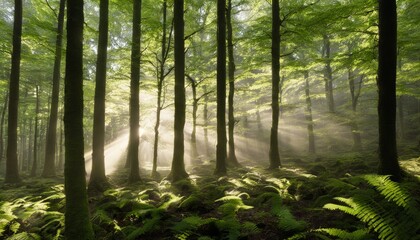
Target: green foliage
x=392 y=213
x=360 y=234
x=33 y=214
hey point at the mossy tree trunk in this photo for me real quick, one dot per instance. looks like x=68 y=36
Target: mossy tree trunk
x=328 y=78
x=51 y=141
x=232 y=160
x=77 y=220
x=133 y=144
x=309 y=119
x=386 y=81
x=98 y=181
x=12 y=168
x=274 y=154
x=35 y=152
x=221 y=89
x=178 y=166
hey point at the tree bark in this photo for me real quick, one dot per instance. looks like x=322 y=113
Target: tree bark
x=133 y=145
x=206 y=122
x=386 y=81
x=161 y=79
x=231 y=73
x=275 y=80
x=35 y=153
x=12 y=169
x=221 y=89
x=3 y=115
x=49 y=165
x=178 y=167
x=309 y=120
x=355 y=93
x=77 y=220
x=329 y=93
x=98 y=181
x=194 y=152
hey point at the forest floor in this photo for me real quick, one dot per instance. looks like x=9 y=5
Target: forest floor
x=252 y=202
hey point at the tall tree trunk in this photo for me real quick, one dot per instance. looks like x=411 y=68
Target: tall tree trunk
x=194 y=152
x=178 y=167
x=49 y=165
x=3 y=115
x=355 y=93
x=12 y=169
x=98 y=180
x=231 y=73
x=328 y=74
x=221 y=89
x=386 y=81
x=310 y=122
x=77 y=220
x=133 y=144
x=60 y=150
x=35 y=153
x=161 y=78
x=206 y=122
x=29 y=154
x=275 y=68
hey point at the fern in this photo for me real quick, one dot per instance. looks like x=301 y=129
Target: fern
x=25 y=236
x=396 y=216
x=360 y=234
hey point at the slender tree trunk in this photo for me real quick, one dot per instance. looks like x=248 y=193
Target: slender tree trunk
x=133 y=145
x=206 y=123
x=12 y=169
x=29 y=154
x=328 y=74
x=386 y=81
x=49 y=165
x=275 y=68
x=77 y=220
x=232 y=155
x=161 y=78
x=35 y=153
x=178 y=167
x=3 y=114
x=194 y=152
x=60 y=151
x=310 y=122
x=221 y=89
x=98 y=180
x=357 y=139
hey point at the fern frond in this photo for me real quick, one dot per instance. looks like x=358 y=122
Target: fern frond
x=360 y=234
x=25 y=236
x=389 y=189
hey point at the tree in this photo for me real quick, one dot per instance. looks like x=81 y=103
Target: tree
x=178 y=167
x=386 y=81
x=328 y=79
x=3 y=115
x=231 y=72
x=35 y=153
x=49 y=166
x=12 y=171
x=221 y=89
x=98 y=180
x=309 y=119
x=275 y=81
x=77 y=221
x=133 y=144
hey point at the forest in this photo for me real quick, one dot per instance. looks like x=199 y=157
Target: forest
x=226 y=119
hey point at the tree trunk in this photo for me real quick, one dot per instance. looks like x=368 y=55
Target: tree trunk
x=231 y=73
x=194 y=152
x=357 y=140
x=49 y=166
x=133 y=144
x=161 y=78
x=386 y=81
x=328 y=74
x=35 y=153
x=206 y=122
x=311 y=136
x=3 y=115
x=12 y=169
x=77 y=220
x=98 y=181
x=221 y=89
x=178 y=167
x=275 y=68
